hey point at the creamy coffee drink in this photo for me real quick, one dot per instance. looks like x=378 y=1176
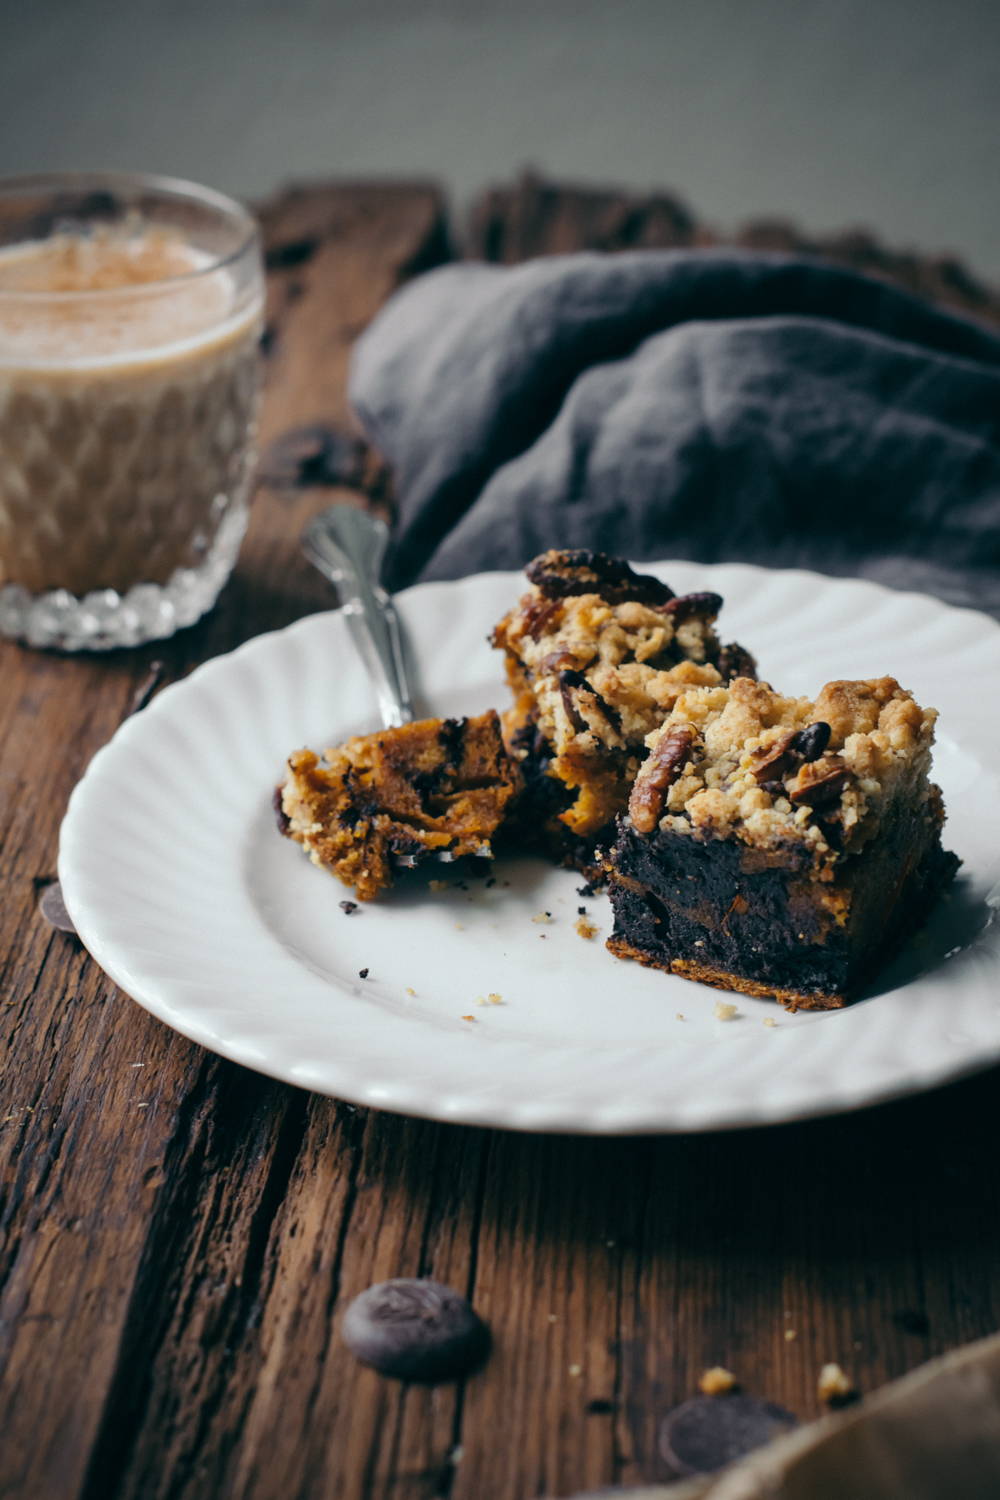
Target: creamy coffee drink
x=128 y=392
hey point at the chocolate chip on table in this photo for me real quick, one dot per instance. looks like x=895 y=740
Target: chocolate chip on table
x=53 y=908
x=708 y=1432
x=415 y=1330
x=912 y=1321
x=362 y=973
x=348 y=906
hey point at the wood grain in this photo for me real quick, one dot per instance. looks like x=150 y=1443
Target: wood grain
x=179 y=1237
x=537 y=217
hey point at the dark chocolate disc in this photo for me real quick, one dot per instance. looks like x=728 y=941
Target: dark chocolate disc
x=709 y=1432
x=415 y=1330
x=53 y=908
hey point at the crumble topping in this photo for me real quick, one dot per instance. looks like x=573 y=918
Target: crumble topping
x=597 y=657
x=631 y=660
x=745 y=762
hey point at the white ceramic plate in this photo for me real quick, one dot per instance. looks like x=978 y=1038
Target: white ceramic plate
x=182 y=890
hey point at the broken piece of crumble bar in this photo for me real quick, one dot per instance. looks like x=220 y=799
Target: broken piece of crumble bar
x=401 y=794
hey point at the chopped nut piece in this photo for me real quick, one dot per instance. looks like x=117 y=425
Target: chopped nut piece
x=468 y=1018
x=543 y=916
x=559 y=575
x=768 y=1020
x=735 y=662
x=833 y=1385
x=664 y=766
x=480 y=1000
x=820 y=783
x=585 y=928
x=716 y=1381
x=410 y=991
x=679 y=1016
x=724 y=1012
x=495 y=999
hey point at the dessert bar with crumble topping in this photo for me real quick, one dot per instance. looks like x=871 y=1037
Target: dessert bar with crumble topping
x=597 y=656
x=781 y=846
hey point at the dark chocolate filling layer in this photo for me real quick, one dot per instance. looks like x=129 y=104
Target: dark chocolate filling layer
x=757 y=916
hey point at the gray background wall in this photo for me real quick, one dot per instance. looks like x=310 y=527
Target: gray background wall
x=881 y=112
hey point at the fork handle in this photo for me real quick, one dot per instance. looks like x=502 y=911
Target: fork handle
x=347 y=546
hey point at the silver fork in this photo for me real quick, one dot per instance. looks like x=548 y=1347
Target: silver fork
x=347 y=546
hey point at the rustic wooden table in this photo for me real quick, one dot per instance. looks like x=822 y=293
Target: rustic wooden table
x=179 y=1237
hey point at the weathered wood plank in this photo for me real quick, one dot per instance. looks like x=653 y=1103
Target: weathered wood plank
x=107 y=1196
x=846 y=1233
x=536 y=217
x=556 y=1215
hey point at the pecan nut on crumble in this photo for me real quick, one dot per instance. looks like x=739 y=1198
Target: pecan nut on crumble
x=597 y=656
x=432 y=786
x=780 y=846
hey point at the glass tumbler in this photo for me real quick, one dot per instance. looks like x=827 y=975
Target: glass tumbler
x=130 y=318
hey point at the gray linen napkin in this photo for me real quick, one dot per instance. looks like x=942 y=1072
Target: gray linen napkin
x=714 y=405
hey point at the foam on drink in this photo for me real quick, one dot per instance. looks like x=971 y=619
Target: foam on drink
x=128 y=389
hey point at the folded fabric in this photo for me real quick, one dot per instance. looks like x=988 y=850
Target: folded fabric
x=715 y=405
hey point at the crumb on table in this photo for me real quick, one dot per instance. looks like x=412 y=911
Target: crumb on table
x=724 y=1012
x=585 y=927
x=717 y=1381
x=833 y=1385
